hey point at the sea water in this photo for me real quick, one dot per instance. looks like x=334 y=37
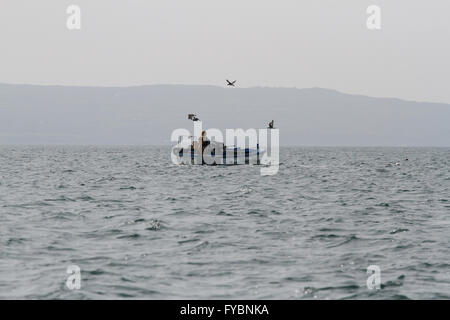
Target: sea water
x=140 y=227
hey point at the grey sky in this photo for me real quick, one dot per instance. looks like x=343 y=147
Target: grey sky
x=282 y=43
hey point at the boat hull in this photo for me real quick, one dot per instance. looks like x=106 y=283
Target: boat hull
x=229 y=156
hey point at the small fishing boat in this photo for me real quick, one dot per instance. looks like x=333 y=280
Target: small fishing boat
x=219 y=154
x=200 y=150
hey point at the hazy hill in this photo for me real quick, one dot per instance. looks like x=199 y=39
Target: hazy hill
x=148 y=114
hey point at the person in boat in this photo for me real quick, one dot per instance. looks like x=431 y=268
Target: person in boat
x=202 y=142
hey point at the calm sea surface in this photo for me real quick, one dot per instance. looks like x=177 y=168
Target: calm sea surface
x=140 y=227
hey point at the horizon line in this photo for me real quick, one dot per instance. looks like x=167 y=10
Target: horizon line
x=171 y=145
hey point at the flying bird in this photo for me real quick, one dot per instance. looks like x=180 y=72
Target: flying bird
x=192 y=117
x=231 y=83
